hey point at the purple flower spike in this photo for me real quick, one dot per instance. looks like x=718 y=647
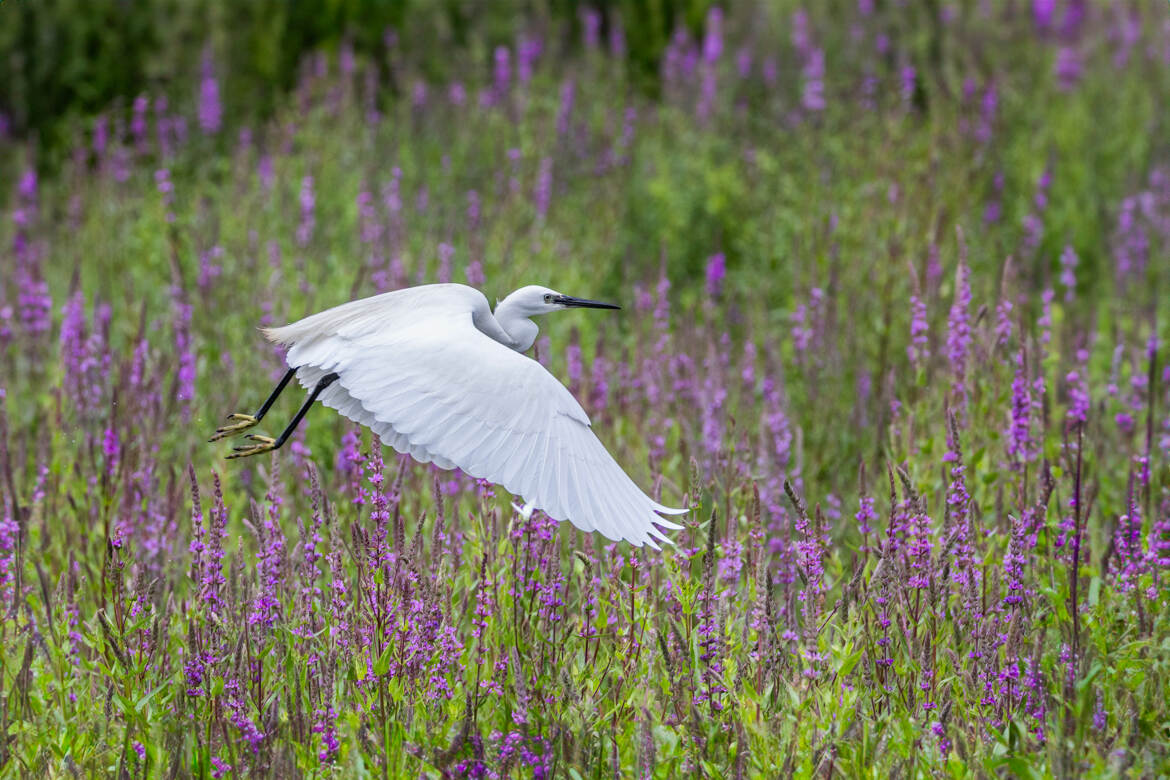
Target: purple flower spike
x=716 y=271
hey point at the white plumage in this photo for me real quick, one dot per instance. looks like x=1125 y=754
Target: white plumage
x=437 y=375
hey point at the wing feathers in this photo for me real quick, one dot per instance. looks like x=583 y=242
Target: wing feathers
x=434 y=386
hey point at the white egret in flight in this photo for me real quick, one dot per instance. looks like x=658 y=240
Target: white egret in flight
x=436 y=374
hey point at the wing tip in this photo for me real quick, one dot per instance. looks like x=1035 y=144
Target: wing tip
x=282 y=335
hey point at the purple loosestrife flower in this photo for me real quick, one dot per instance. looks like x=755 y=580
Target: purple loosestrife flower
x=212 y=579
x=1015 y=561
x=812 y=96
x=989 y=108
x=909 y=83
x=716 y=271
x=185 y=376
x=1068 y=264
x=959 y=329
x=801 y=37
x=543 y=194
x=197 y=545
x=166 y=188
x=138 y=126
x=713 y=35
x=238 y=708
x=325 y=724
x=265 y=172
x=994 y=208
x=958 y=504
x=802 y=333
x=1003 y=321
x=338 y=596
x=457 y=93
x=1127 y=34
x=101 y=138
x=6 y=332
x=209 y=270
x=748 y=366
x=598 y=381
x=1045 y=320
x=111 y=451
x=1129 y=562
x=1131 y=242
x=1020 y=446
x=270 y=558
x=743 y=62
x=503 y=70
x=474 y=273
x=528 y=50
x=865 y=517
x=446 y=252
x=591 y=27
x=369 y=226
x=573 y=363
x=714 y=396
x=1078 y=391
x=1159 y=547
x=473 y=210
x=379 y=509
x=1100 y=716
x=920 y=546
x=1068 y=67
x=308 y=205
x=72 y=343
x=1042 y=13
x=918 y=350
x=210 y=106
x=565 y=112
x=9 y=533
x=617 y=38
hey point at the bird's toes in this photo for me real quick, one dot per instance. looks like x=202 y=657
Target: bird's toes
x=241 y=422
x=263 y=444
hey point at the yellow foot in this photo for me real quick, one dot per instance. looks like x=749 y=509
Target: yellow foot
x=240 y=422
x=263 y=444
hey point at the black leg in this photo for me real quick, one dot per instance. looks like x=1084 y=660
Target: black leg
x=324 y=382
x=275 y=394
x=242 y=422
x=266 y=444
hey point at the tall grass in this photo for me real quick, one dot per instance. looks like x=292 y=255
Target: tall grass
x=894 y=324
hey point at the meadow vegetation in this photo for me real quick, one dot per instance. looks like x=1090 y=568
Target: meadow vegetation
x=894 y=325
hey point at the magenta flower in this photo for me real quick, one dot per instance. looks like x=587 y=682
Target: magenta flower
x=716 y=271
x=210 y=107
x=959 y=330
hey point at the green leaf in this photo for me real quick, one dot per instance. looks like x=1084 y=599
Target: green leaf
x=382 y=665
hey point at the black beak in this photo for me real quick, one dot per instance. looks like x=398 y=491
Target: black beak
x=580 y=303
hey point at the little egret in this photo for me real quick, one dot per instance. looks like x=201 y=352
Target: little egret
x=436 y=374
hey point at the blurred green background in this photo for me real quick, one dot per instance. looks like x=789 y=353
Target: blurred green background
x=64 y=60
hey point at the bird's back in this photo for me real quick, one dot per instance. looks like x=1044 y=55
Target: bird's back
x=389 y=311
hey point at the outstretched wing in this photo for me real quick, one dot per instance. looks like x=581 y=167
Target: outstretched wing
x=445 y=392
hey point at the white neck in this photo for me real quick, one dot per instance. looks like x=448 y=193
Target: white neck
x=516 y=324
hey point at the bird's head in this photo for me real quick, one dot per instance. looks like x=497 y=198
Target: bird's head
x=533 y=300
x=513 y=312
